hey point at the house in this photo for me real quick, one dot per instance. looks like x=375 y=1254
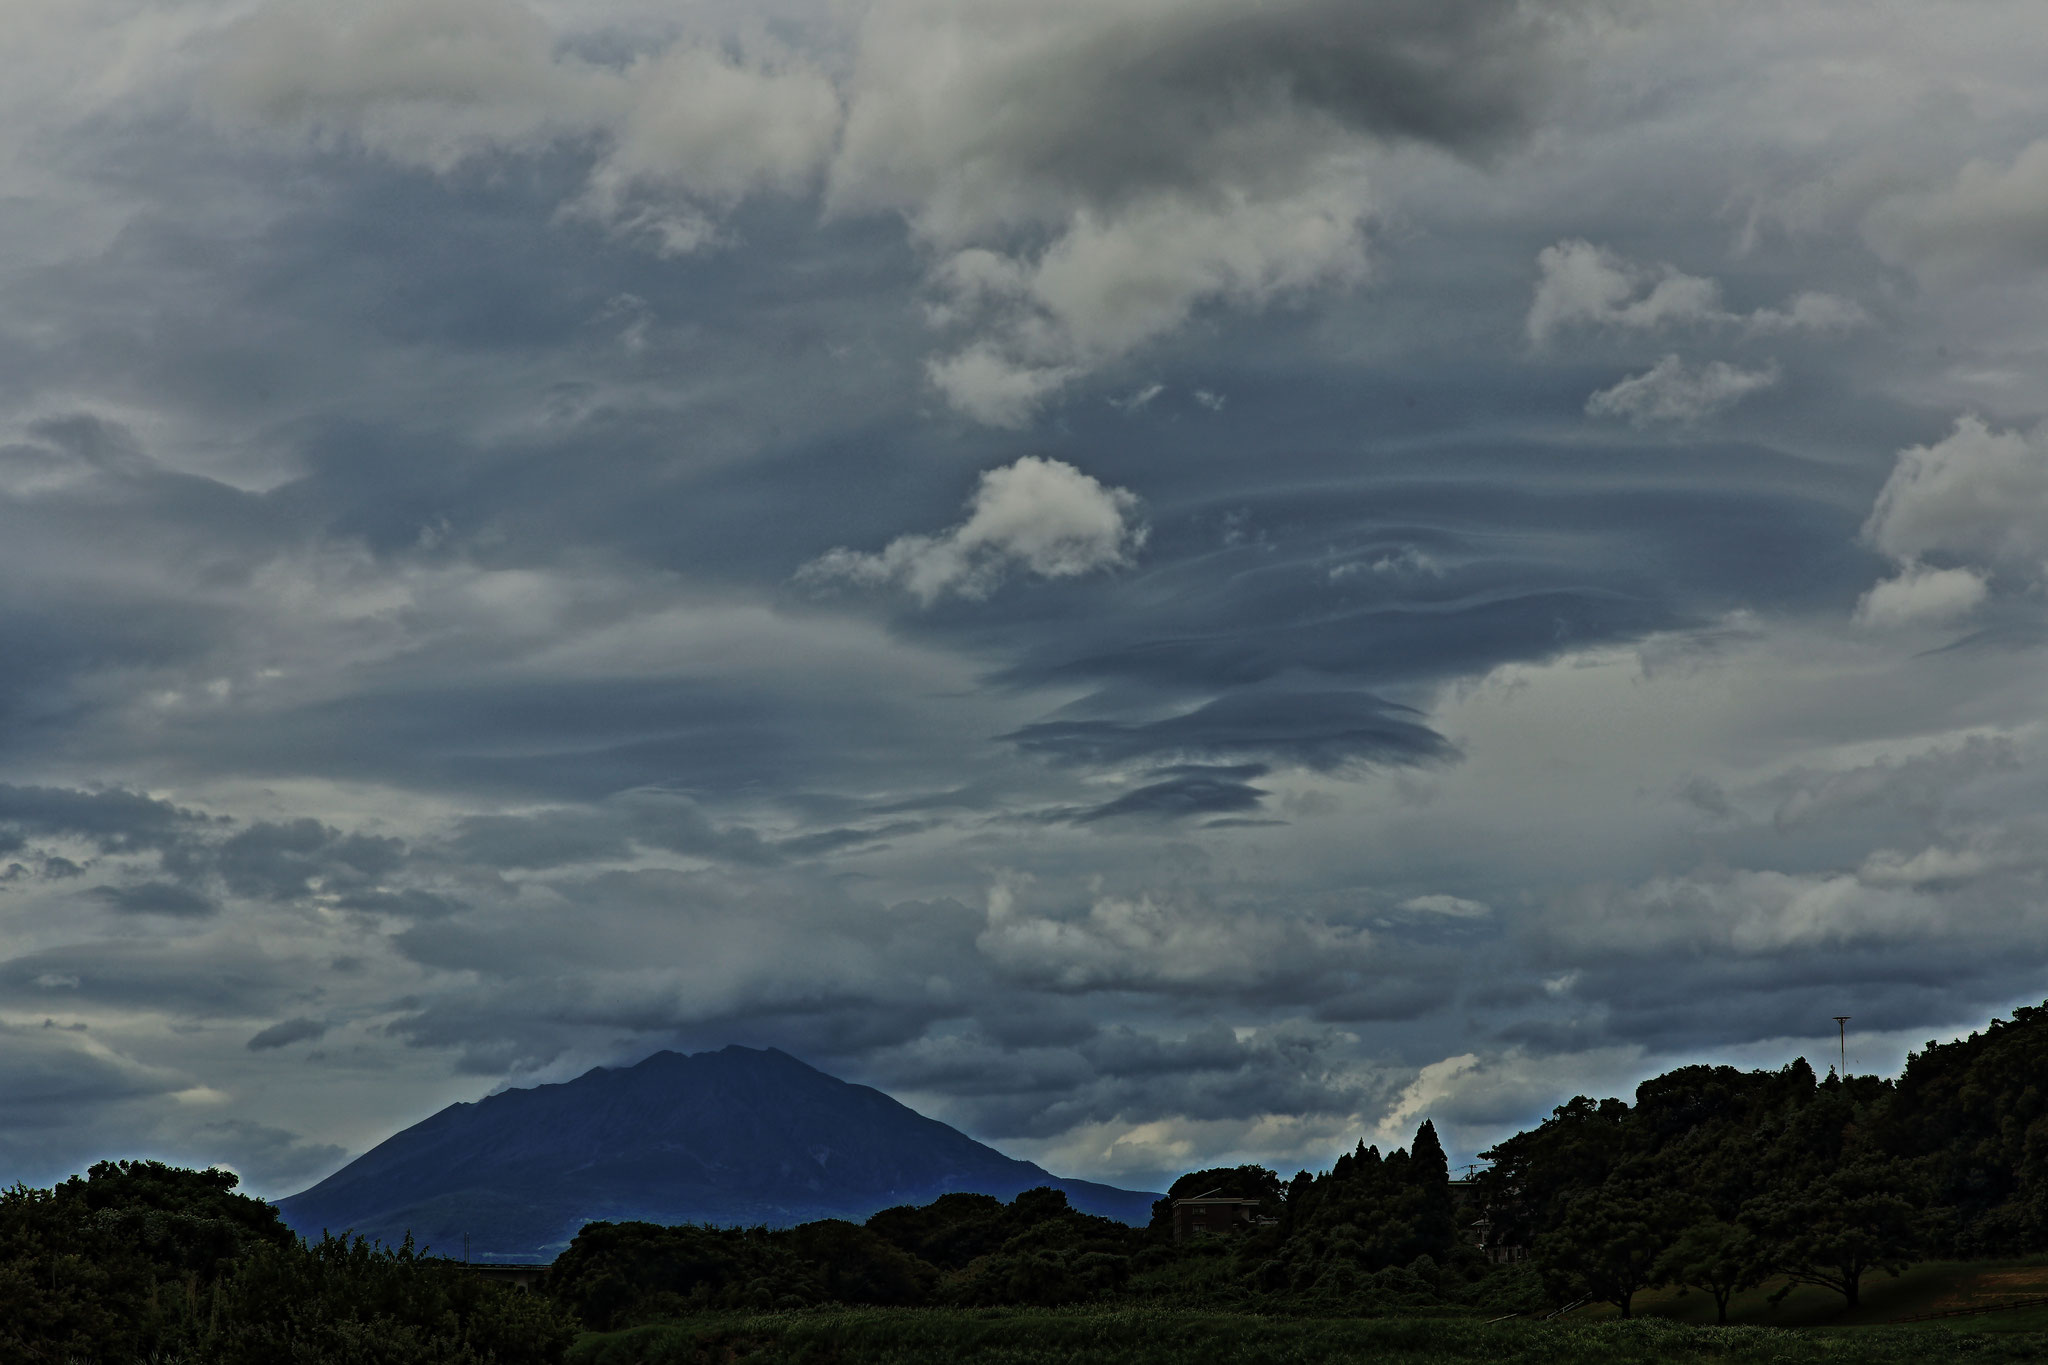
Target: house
x=1211 y=1213
x=1481 y=1233
x=1476 y=1225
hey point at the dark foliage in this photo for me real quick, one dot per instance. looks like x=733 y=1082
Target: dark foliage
x=137 y=1261
x=961 y=1248
x=1174 y=1336
x=1714 y=1180
x=1976 y=1112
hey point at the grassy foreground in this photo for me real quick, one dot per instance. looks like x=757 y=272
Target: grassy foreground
x=1154 y=1336
x=1929 y=1287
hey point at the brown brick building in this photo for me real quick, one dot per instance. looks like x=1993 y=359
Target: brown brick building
x=1212 y=1214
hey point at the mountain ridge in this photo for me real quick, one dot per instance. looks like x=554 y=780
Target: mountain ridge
x=738 y=1135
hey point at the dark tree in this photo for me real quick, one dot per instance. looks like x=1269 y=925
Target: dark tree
x=1717 y=1258
x=1609 y=1242
x=1844 y=1223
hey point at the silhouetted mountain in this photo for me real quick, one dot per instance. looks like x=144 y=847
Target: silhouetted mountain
x=738 y=1136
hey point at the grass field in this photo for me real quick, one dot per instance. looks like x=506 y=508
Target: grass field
x=1931 y=1287
x=936 y=1336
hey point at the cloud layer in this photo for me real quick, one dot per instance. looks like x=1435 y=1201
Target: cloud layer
x=1175 y=582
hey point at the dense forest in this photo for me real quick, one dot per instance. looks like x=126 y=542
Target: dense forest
x=1714 y=1179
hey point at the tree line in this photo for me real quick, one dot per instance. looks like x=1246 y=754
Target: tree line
x=1719 y=1180
x=136 y=1261
x=1713 y=1179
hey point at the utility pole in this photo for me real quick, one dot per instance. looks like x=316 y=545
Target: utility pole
x=1842 y=1028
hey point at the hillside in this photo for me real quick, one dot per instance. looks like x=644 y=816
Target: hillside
x=738 y=1136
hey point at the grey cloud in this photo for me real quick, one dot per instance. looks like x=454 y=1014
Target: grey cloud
x=763 y=956
x=1326 y=731
x=1914 y=789
x=1730 y=1002
x=1138 y=167
x=271 y=1161
x=70 y=1103
x=211 y=977
x=1534 y=554
x=156 y=898
x=1176 y=943
x=1989 y=216
x=1131 y=116
x=115 y=820
x=411 y=903
x=282 y=860
x=384 y=497
x=1188 y=790
x=1390 y=1000
x=1137 y=1075
x=828 y=841
x=643 y=819
x=287 y=1032
x=50 y=1078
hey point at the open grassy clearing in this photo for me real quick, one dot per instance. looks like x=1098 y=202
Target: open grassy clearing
x=939 y=1336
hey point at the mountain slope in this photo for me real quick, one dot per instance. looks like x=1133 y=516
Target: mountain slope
x=735 y=1136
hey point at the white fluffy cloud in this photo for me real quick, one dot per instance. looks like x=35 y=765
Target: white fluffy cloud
x=1991 y=215
x=428 y=83
x=687 y=131
x=1113 y=281
x=1921 y=596
x=1583 y=285
x=1979 y=493
x=1040 y=516
x=1672 y=391
x=1979 y=496
x=701 y=132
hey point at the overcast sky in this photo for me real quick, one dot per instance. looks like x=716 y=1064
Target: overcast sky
x=1169 y=581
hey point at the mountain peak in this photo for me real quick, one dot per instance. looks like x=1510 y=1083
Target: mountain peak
x=735 y=1136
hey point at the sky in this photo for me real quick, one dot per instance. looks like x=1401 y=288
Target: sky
x=1171 y=582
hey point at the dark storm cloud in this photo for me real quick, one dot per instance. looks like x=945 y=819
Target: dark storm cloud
x=1124 y=1073
x=281 y=860
x=1391 y=573
x=575 y=739
x=114 y=820
x=1700 y=1005
x=828 y=841
x=1391 y=999
x=1186 y=790
x=1464 y=75
x=397 y=475
x=1322 y=730
x=287 y=1032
